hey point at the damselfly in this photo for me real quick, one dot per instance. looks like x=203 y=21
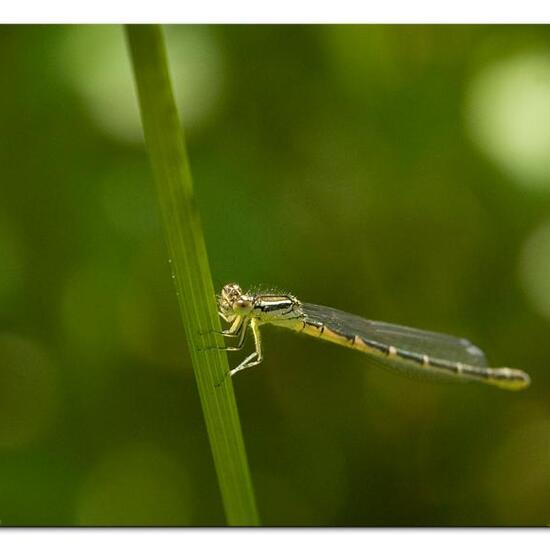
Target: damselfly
x=402 y=348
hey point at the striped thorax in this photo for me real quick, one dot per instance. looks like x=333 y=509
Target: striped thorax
x=265 y=308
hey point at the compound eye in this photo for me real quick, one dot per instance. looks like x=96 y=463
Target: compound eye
x=231 y=291
x=234 y=290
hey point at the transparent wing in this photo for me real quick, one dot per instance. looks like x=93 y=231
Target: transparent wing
x=433 y=344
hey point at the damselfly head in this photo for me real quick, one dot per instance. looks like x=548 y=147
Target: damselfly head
x=232 y=302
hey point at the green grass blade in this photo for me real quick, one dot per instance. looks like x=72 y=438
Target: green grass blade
x=167 y=151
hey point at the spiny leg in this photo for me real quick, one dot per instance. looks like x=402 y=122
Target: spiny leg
x=232 y=332
x=237 y=330
x=241 y=334
x=256 y=357
x=223 y=316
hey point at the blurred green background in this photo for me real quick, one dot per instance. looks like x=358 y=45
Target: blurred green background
x=397 y=172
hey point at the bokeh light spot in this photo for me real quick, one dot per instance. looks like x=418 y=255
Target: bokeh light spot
x=94 y=60
x=137 y=485
x=534 y=269
x=508 y=116
x=28 y=392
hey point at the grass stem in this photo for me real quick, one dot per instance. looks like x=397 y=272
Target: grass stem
x=166 y=146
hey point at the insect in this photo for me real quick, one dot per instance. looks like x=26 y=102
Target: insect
x=401 y=348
